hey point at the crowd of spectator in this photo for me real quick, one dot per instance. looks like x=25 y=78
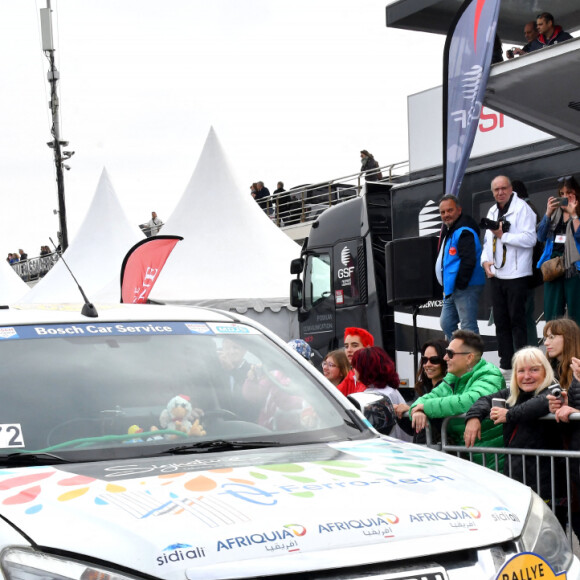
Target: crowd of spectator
x=455 y=379
x=538 y=33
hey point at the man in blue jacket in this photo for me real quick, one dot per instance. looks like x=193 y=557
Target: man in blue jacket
x=458 y=268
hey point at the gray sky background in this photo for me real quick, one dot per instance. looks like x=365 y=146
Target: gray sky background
x=294 y=90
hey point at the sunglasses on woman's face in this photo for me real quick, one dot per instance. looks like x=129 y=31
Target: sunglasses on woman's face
x=434 y=360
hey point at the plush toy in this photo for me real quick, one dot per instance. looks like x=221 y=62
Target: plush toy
x=179 y=415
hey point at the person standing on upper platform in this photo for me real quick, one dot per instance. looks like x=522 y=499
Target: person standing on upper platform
x=370 y=166
x=458 y=268
x=548 y=32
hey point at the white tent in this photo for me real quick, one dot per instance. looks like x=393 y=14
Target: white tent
x=232 y=256
x=12 y=288
x=96 y=254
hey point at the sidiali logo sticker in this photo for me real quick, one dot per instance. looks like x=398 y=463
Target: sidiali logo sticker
x=528 y=566
x=179 y=553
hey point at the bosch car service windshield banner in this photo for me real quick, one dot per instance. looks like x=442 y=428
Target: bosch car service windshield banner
x=142 y=266
x=466 y=67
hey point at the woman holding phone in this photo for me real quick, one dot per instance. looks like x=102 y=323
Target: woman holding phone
x=519 y=408
x=559 y=229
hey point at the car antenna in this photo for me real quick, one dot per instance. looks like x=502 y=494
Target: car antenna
x=88 y=309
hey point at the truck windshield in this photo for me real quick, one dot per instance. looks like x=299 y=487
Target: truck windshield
x=128 y=386
x=317 y=279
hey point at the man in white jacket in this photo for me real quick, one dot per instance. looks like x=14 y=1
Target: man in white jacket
x=507 y=260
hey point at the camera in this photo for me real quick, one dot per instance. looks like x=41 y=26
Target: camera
x=556 y=391
x=488 y=224
x=499 y=403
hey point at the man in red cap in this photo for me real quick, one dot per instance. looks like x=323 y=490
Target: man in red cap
x=354 y=339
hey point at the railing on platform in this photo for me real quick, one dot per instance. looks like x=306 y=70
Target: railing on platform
x=35 y=268
x=306 y=202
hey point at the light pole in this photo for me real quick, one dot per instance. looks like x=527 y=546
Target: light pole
x=56 y=144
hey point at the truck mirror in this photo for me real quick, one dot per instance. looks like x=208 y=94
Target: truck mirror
x=296 y=293
x=296 y=266
x=377 y=409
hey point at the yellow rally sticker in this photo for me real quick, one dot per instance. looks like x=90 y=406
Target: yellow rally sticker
x=528 y=567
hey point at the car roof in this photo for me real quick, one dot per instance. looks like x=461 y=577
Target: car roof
x=18 y=314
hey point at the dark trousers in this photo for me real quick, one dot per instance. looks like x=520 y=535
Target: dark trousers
x=508 y=298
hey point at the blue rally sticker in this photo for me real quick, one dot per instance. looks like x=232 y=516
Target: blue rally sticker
x=100 y=329
x=233 y=328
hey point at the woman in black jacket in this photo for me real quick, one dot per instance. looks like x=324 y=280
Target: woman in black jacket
x=433 y=369
x=563 y=407
x=525 y=402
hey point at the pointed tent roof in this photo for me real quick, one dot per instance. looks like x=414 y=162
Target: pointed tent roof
x=231 y=250
x=96 y=254
x=12 y=288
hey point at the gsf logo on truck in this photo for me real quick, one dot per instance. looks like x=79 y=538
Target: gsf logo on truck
x=346 y=274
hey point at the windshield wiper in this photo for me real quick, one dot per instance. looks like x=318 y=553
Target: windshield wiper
x=219 y=445
x=25 y=458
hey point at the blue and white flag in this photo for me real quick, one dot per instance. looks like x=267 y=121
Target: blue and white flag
x=466 y=67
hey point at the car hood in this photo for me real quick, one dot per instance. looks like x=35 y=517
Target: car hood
x=265 y=511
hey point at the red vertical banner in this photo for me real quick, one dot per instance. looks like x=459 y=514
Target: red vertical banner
x=142 y=266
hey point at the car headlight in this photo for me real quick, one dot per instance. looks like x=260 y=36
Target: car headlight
x=24 y=564
x=543 y=535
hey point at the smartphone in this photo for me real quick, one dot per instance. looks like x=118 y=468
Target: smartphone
x=498 y=403
x=562 y=201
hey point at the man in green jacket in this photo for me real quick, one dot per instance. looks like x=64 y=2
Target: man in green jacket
x=469 y=377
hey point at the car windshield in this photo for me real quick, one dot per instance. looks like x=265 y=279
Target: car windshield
x=103 y=390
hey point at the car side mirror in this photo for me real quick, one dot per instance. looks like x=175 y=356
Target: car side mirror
x=296 y=293
x=296 y=266
x=377 y=409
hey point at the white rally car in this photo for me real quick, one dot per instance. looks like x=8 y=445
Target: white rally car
x=182 y=443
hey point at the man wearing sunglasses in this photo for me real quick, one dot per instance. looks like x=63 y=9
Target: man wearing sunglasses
x=458 y=268
x=468 y=378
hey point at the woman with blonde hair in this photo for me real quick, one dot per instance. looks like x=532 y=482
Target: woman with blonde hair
x=523 y=403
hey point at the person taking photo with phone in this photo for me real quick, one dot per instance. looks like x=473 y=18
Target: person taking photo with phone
x=560 y=262
x=526 y=400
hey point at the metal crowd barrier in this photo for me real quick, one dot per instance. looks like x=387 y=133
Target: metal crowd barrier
x=567 y=456
x=35 y=268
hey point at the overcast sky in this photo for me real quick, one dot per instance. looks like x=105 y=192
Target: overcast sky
x=294 y=91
